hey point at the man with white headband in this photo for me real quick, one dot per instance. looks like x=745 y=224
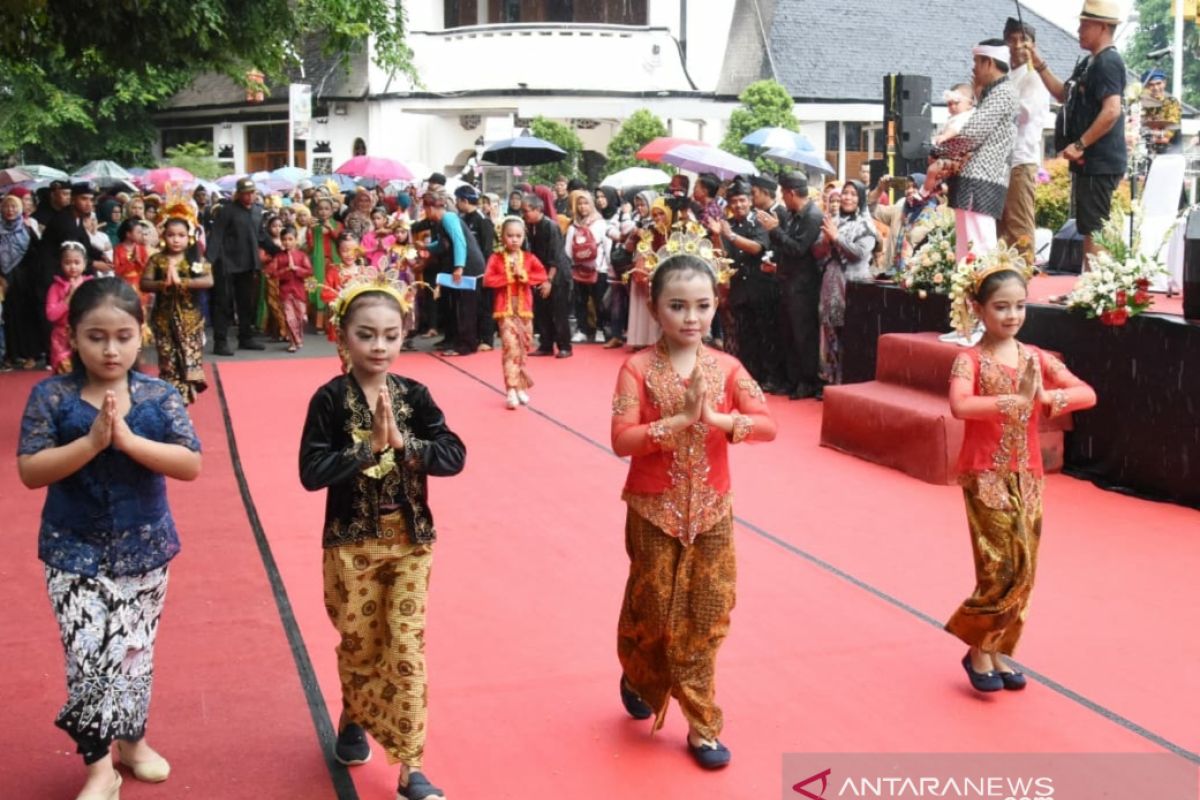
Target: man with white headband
x=975 y=162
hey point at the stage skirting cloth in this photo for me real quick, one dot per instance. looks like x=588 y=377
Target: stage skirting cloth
x=1142 y=438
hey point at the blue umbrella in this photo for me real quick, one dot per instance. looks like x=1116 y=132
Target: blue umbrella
x=800 y=158
x=344 y=182
x=708 y=159
x=291 y=174
x=778 y=138
x=523 y=151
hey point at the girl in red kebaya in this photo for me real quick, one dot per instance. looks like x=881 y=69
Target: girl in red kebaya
x=290 y=268
x=1002 y=387
x=511 y=273
x=677 y=408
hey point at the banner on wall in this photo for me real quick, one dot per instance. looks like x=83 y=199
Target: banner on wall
x=300 y=102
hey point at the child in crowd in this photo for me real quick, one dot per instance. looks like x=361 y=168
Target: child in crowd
x=101 y=243
x=270 y=312
x=377 y=242
x=102 y=439
x=676 y=409
x=290 y=268
x=72 y=260
x=174 y=275
x=131 y=255
x=322 y=238
x=512 y=273
x=372 y=438
x=302 y=222
x=1002 y=387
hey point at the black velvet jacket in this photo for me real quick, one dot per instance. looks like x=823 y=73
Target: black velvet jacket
x=335 y=450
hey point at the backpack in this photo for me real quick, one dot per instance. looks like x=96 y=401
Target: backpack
x=584 y=249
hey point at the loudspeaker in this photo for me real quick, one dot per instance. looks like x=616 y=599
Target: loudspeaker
x=907 y=106
x=1066 y=251
x=1191 y=266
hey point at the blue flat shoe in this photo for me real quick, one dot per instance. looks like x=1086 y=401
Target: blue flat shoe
x=635 y=705
x=418 y=788
x=982 y=681
x=1013 y=681
x=713 y=756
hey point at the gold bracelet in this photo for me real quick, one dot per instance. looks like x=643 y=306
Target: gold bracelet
x=1059 y=402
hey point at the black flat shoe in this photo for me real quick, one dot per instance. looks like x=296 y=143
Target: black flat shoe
x=352 y=747
x=542 y=353
x=1013 y=681
x=635 y=705
x=714 y=757
x=982 y=681
x=418 y=788
x=564 y=354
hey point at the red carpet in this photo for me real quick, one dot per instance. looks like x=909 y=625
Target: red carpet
x=228 y=710
x=530 y=569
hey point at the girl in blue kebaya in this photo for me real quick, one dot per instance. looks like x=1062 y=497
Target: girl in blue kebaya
x=103 y=439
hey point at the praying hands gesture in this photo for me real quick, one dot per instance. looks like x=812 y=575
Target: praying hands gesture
x=1030 y=385
x=384 y=432
x=830 y=229
x=695 y=399
x=109 y=427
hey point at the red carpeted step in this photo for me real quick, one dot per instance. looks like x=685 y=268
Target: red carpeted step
x=916 y=360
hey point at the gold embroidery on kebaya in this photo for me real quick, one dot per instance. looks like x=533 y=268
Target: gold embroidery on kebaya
x=1058 y=402
x=690 y=506
x=961 y=368
x=621 y=403
x=751 y=387
x=1013 y=446
x=743 y=426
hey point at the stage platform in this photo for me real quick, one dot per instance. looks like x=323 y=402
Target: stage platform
x=1143 y=437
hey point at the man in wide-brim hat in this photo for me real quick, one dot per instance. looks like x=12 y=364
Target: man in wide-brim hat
x=1090 y=131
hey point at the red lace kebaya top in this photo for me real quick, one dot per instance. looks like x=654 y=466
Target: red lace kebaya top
x=680 y=481
x=995 y=449
x=513 y=297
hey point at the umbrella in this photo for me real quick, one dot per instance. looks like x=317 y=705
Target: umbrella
x=43 y=172
x=116 y=185
x=523 y=151
x=157 y=179
x=655 y=149
x=292 y=174
x=777 y=138
x=212 y=187
x=227 y=183
x=636 y=176
x=13 y=175
x=381 y=169
x=95 y=170
x=344 y=182
x=709 y=159
x=800 y=158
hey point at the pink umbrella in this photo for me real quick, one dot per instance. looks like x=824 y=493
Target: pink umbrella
x=381 y=169
x=157 y=179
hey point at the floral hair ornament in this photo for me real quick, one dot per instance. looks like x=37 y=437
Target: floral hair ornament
x=968 y=278
x=179 y=206
x=690 y=239
x=384 y=279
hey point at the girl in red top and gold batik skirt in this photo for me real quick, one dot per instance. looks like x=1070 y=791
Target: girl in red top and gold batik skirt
x=511 y=273
x=1001 y=388
x=677 y=408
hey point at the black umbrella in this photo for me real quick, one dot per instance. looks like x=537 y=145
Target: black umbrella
x=523 y=151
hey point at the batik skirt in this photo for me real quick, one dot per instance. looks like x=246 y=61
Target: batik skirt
x=108 y=627
x=1005 y=520
x=675 y=615
x=516 y=338
x=375 y=594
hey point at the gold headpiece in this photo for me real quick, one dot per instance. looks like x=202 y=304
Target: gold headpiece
x=686 y=238
x=972 y=271
x=179 y=206
x=384 y=279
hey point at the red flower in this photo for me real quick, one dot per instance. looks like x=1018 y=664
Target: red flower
x=1121 y=299
x=1119 y=317
x=1141 y=298
x=1143 y=283
x=970 y=258
x=1106 y=317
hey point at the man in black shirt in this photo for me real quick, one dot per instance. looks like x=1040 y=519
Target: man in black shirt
x=753 y=293
x=57 y=198
x=792 y=237
x=552 y=300
x=233 y=252
x=762 y=195
x=1091 y=125
x=466 y=200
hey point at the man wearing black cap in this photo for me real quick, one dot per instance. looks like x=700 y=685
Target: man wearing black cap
x=551 y=300
x=792 y=237
x=66 y=225
x=58 y=197
x=233 y=252
x=753 y=293
x=762 y=195
x=435 y=183
x=466 y=199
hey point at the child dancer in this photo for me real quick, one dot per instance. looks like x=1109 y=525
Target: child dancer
x=175 y=274
x=676 y=409
x=512 y=272
x=102 y=439
x=320 y=247
x=290 y=268
x=71 y=263
x=1001 y=388
x=270 y=306
x=131 y=255
x=372 y=438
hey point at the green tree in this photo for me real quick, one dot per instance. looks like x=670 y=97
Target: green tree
x=79 y=79
x=1156 y=30
x=765 y=104
x=565 y=138
x=641 y=127
x=197 y=158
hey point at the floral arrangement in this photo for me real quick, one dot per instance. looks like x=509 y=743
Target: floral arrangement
x=1117 y=283
x=932 y=266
